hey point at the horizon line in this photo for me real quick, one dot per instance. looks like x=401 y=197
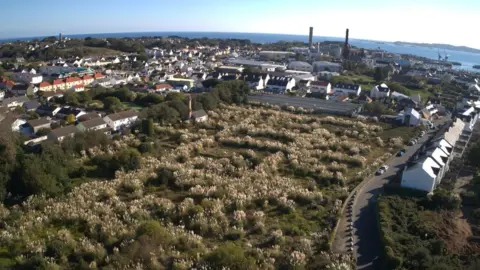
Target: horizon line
x=223 y=32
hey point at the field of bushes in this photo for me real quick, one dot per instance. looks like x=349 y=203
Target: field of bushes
x=251 y=188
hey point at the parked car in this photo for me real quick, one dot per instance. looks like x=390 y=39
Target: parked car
x=382 y=170
x=401 y=152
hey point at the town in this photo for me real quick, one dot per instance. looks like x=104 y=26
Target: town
x=412 y=121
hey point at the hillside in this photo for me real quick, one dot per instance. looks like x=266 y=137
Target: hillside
x=440 y=46
x=91 y=51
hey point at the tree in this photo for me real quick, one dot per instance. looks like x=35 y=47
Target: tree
x=161 y=113
x=211 y=83
x=112 y=104
x=180 y=107
x=71 y=99
x=175 y=96
x=71 y=119
x=230 y=256
x=380 y=74
x=147 y=127
x=149 y=99
x=473 y=156
x=125 y=95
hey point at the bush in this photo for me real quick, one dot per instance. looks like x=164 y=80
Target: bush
x=230 y=256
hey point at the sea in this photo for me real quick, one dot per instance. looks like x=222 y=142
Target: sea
x=467 y=59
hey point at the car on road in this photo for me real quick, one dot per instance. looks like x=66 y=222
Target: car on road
x=382 y=170
x=401 y=152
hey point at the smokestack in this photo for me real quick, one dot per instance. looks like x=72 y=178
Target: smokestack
x=310 y=38
x=346 y=38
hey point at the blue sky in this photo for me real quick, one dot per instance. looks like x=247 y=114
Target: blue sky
x=440 y=21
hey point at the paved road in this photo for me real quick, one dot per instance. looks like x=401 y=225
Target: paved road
x=366 y=237
x=367 y=246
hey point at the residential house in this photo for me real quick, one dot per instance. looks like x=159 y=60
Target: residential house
x=162 y=87
x=93 y=124
x=72 y=81
x=179 y=81
x=27 y=78
x=65 y=111
x=89 y=116
x=117 y=121
x=23 y=89
x=87 y=79
x=347 y=89
x=31 y=105
x=105 y=82
x=380 y=91
x=409 y=117
x=78 y=88
x=49 y=110
x=60 y=134
x=45 y=86
x=321 y=87
x=33 y=126
x=14 y=101
x=199 y=116
x=280 y=84
x=98 y=76
x=429 y=112
x=427 y=170
x=16 y=125
x=276 y=55
x=58 y=84
x=52 y=94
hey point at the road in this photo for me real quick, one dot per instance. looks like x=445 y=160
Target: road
x=366 y=239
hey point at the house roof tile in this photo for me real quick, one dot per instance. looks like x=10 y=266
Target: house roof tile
x=122 y=115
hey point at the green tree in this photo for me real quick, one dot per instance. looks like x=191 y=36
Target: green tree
x=473 y=156
x=180 y=107
x=71 y=99
x=125 y=95
x=147 y=127
x=71 y=119
x=112 y=104
x=161 y=113
x=380 y=74
x=230 y=256
x=175 y=96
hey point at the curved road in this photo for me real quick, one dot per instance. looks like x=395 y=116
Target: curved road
x=366 y=239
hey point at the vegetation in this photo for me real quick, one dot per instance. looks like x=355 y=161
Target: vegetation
x=251 y=188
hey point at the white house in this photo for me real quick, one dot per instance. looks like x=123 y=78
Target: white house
x=256 y=81
x=17 y=123
x=409 y=117
x=117 y=121
x=27 y=77
x=2 y=95
x=60 y=134
x=92 y=124
x=379 y=91
x=199 y=116
x=280 y=84
x=347 y=89
x=321 y=87
x=422 y=175
x=14 y=101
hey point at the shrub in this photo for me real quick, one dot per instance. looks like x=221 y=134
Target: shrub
x=230 y=256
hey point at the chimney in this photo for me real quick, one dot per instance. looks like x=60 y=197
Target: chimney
x=346 y=38
x=189 y=106
x=310 y=38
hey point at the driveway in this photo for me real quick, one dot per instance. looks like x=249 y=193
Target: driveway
x=366 y=239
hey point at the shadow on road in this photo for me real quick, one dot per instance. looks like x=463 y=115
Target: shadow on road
x=368 y=244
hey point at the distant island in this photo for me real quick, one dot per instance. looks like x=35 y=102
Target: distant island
x=476 y=66
x=440 y=46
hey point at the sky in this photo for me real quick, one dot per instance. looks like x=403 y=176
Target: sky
x=428 y=21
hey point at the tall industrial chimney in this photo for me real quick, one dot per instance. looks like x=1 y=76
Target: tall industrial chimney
x=346 y=37
x=346 y=47
x=310 y=38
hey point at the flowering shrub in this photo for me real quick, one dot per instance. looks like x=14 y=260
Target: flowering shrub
x=273 y=178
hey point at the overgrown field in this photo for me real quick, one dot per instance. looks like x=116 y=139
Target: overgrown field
x=251 y=188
